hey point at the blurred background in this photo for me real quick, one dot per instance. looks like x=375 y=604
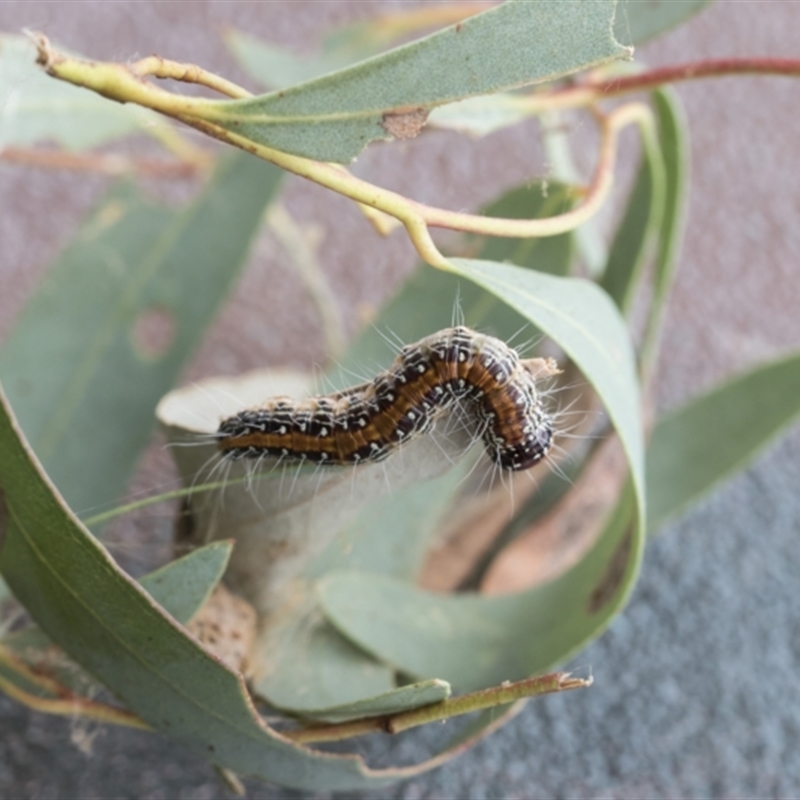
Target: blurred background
x=694 y=683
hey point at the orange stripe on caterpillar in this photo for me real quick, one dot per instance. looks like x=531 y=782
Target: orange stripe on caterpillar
x=365 y=423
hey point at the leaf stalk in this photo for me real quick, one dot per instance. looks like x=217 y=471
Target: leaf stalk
x=436 y=712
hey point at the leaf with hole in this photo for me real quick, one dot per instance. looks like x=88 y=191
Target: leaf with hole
x=334 y=117
x=117 y=319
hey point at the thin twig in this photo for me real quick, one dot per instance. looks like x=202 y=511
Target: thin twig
x=476 y=701
x=595 y=89
x=708 y=68
x=163 y=68
x=67 y=703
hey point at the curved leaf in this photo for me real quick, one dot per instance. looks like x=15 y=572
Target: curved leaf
x=673 y=135
x=334 y=117
x=473 y=641
x=182 y=586
x=80 y=598
x=582 y=320
x=642 y=218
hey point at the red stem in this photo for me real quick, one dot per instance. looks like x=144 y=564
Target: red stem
x=711 y=68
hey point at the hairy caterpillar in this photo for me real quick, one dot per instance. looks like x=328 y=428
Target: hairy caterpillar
x=365 y=423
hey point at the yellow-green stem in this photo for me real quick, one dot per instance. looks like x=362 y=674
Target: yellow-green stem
x=121 y=82
x=501 y=695
x=70 y=705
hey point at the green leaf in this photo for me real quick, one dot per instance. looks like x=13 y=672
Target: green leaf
x=636 y=22
x=334 y=117
x=117 y=319
x=404 y=698
x=673 y=136
x=109 y=625
x=480 y=116
x=584 y=322
x=180 y=588
x=698 y=446
x=642 y=219
x=473 y=641
x=305 y=666
x=34 y=108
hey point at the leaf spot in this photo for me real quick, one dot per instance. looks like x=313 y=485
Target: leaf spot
x=405 y=124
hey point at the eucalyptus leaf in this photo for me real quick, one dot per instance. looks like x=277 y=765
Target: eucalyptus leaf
x=584 y=322
x=180 y=588
x=334 y=117
x=636 y=22
x=641 y=221
x=480 y=116
x=673 y=134
x=404 y=698
x=473 y=641
x=117 y=319
x=698 y=446
x=34 y=108
x=109 y=625
x=306 y=666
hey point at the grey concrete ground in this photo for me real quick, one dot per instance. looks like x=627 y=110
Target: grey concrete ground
x=695 y=692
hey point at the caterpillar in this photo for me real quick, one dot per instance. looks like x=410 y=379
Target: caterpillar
x=365 y=423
